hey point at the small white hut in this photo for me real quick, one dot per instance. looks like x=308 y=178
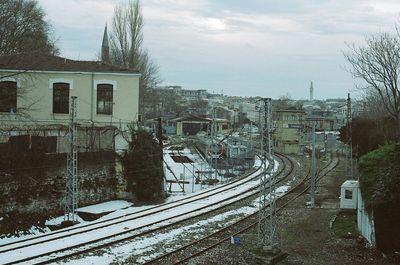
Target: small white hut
x=348 y=194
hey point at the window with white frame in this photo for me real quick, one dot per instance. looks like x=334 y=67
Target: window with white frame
x=104 y=99
x=61 y=98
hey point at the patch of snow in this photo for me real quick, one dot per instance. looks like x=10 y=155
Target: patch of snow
x=105 y=207
x=141 y=221
x=141 y=246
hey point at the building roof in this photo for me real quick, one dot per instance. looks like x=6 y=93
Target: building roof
x=191 y=118
x=45 y=62
x=350 y=184
x=197 y=118
x=289 y=111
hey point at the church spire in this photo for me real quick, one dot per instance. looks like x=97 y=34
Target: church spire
x=105 y=49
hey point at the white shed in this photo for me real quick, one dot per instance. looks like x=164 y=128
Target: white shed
x=348 y=194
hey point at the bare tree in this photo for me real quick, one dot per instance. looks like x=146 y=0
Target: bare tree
x=373 y=105
x=24 y=33
x=378 y=64
x=126 y=46
x=283 y=103
x=23 y=28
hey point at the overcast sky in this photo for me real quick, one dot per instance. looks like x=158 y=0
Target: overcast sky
x=245 y=48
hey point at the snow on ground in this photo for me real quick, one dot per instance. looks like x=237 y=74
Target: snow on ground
x=187 y=171
x=117 y=207
x=145 y=247
x=58 y=220
x=134 y=224
x=112 y=230
x=179 y=168
x=105 y=207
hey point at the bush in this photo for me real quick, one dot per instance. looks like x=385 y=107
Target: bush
x=380 y=175
x=143 y=168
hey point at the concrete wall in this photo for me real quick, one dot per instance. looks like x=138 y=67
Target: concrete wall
x=365 y=222
x=41 y=189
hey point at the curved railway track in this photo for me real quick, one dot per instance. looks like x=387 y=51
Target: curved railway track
x=214 y=239
x=20 y=246
x=159 y=208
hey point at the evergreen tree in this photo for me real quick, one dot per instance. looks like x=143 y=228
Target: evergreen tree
x=143 y=166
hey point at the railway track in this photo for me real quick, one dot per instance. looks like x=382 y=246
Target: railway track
x=138 y=258
x=8 y=252
x=156 y=209
x=198 y=247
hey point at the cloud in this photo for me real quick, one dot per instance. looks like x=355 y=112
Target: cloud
x=232 y=44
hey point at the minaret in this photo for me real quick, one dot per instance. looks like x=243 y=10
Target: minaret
x=105 y=49
x=311 y=92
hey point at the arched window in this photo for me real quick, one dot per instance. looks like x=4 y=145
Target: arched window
x=60 y=98
x=104 y=99
x=8 y=96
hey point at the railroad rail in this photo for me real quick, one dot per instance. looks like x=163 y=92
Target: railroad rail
x=160 y=208
x=214 y=239
x=21 y=245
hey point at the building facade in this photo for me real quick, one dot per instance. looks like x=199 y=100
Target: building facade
x=288 y=135
x=191 y=125
x=36 y=93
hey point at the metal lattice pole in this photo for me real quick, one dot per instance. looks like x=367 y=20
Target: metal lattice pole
x=214 y=143
x=267 y=226
x=349 y=147
x=71 y=185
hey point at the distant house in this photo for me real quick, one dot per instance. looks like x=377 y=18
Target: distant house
x=186 y=94
x=288 y=136
x=191 y=125
x=36 y=91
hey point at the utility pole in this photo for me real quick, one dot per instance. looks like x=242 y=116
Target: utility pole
x=349 y=147
x=267 y=234
x=213 y=144
x=313 y=167
x=159 y=135
x=71 y=185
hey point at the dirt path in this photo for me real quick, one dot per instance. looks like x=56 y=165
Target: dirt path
x=305 y=235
